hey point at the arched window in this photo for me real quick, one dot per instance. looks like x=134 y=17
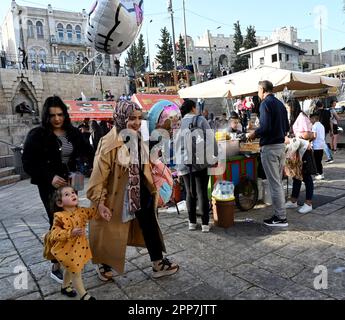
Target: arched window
x=78 y=32
x=32 y=55
x=43 y=56
x=200 y=61
x=71 y=57
x=60 y=30
x=63 y=58
x=39 y=29
x=69 y=32
x=30 y=29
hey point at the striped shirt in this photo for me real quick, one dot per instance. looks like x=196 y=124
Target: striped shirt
x=66 y=149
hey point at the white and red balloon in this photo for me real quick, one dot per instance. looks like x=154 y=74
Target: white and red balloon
x=113 y=25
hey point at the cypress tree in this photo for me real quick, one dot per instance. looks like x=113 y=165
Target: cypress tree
x=165 y=53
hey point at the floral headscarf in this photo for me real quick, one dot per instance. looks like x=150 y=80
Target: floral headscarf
x=122 y=112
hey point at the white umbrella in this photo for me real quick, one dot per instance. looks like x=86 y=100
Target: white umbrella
x=245 y=83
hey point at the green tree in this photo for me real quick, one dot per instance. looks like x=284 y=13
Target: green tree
x=132 y=57
x=238 y=38
x=141 y=52
x=165 y=53
x=241 y=63
x=181 y=52
x=250 y=40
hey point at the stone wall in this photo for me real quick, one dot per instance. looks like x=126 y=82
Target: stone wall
x=34 y=87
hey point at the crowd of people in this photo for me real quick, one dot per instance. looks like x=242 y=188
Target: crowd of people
x=123 y=194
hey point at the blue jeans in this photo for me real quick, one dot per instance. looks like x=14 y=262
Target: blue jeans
x=309 y=186
x=328 y=151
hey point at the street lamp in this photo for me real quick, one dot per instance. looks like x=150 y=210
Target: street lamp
x=171 y=11
x=209 y=44
x=148 y=45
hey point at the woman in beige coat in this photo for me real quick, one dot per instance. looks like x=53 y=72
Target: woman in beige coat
x=122 y=185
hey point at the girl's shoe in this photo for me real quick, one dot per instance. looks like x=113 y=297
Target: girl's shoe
x=69 y=292
x=291 y=205
x=205 y=229
x=166 y=268
x=305 y=209
x=192 y=226
x=104 y=272
x=86 y=296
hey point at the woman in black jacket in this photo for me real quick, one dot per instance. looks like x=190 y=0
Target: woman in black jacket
x=51 y=152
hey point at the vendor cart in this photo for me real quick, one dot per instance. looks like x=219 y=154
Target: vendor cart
x=242 y=171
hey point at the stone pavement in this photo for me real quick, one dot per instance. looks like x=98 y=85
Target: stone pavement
x=248 y=261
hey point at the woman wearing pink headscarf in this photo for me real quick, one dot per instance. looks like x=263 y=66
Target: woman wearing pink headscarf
x=121 y=184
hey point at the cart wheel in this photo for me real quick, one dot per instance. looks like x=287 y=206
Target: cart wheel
x=246 y=194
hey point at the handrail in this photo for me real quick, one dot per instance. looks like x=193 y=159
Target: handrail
x=10 y=144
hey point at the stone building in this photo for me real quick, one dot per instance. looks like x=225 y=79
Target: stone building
x=51 y=36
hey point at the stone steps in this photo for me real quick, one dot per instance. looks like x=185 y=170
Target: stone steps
x=8 y=171
x=9 y=180
x=6 y=161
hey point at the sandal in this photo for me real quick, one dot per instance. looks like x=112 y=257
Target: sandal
x=104 y=272
x=85 y=296
x=69 y=292
x=167 y=268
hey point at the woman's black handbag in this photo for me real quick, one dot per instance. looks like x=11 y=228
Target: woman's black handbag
x=309 y=164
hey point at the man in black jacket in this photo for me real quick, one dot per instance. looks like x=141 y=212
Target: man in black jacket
x=274 y=126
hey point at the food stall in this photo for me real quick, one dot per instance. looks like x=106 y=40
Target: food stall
x=94 y=110
x=241 y=164
x=146 y=101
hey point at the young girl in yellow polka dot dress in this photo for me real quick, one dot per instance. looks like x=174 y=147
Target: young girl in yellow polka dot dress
x=68 y=241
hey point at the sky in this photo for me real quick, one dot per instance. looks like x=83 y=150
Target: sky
x=265 y=15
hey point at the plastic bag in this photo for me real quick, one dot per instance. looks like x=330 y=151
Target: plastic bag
x=223 y=191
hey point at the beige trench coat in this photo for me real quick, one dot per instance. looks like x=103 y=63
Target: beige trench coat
x=108 y=240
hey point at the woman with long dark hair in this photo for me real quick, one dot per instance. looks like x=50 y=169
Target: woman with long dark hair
x=51 y=152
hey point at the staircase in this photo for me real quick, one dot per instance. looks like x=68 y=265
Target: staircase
x=7 y=171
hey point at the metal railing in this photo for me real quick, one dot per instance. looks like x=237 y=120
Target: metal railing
x=54 y=64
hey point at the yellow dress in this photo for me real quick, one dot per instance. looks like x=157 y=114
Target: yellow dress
x=72 y=252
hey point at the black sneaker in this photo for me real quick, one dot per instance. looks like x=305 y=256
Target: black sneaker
x=57 y=275
x=276 y=222
x=329 y=161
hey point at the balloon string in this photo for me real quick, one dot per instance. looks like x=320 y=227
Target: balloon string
x=89 y=63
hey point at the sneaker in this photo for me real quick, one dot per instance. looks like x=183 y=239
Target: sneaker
x=104 y=272
x=205 y=229
x=276 y=222
x=291 y=205
x=329 y=161
x=57 y=275
x=192 y=226
x=320 y=177
x=305 y=209
x=166 y=268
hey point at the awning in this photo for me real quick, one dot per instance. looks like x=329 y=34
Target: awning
x=245 y=83
x=94 y=110
x=146 y=101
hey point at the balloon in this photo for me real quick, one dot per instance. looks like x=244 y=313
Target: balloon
x=164 y=111
x=113 y=25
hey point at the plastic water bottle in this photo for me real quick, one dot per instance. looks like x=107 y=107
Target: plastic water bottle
x=223 y=190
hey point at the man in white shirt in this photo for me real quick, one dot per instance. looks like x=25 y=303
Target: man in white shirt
x=318 y=144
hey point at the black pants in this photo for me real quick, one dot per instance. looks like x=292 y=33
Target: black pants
x=149 y=225
x=196 y=185
x=318 y=155
x=46 y=194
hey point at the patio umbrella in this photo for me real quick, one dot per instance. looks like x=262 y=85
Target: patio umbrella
x=245 y=83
